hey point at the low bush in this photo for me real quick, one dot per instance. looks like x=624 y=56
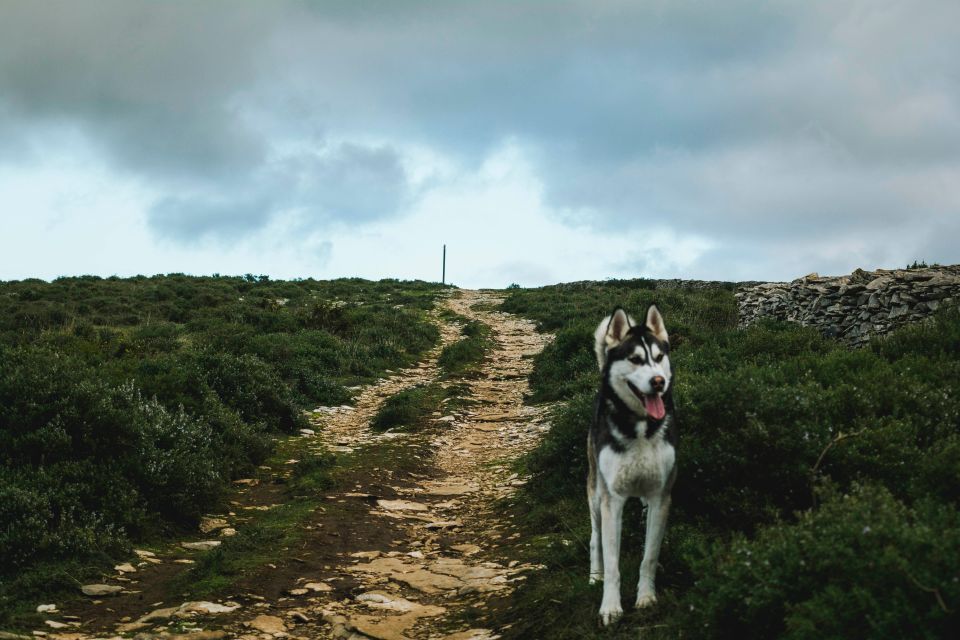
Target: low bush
x=863 y=565
x=87 y=463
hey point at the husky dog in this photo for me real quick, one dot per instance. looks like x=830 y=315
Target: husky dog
x=630 y=448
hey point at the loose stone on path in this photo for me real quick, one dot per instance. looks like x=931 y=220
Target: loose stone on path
x=100 y=590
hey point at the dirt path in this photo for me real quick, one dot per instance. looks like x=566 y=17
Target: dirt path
x=407 y=550
x=443 y=558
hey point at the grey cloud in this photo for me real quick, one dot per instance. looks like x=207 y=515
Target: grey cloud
x=465 y=75
x=168 y=92
x=153 y=85
x=616 y=80
x=791 y=124
x=753 y=124
x=195 y=219
x=938 y=243
x=348 y=182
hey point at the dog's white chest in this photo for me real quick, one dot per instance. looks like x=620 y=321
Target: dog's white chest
x=640 y=470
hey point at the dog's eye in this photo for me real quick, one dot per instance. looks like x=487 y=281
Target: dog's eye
x=636 y=359
x=659 y=357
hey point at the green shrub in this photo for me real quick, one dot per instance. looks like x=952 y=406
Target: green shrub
x=155 y=338
x=864 y=565
x=86 y=463
x=43 y=518
x=314 y=473
x=565 y=368
x=254 y=389
x=558 y=464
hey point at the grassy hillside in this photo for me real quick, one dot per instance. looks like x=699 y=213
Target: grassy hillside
x=818 y=485
x=128 y=405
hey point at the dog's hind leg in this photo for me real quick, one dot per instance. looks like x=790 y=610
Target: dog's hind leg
x=657 y=510
x=611 y=517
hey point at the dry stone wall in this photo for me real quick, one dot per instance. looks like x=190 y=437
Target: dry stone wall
x=654 y=283
x=853 y=307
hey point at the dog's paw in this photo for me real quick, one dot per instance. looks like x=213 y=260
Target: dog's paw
x=610 y=614
x=645 y=600
x=595 y=578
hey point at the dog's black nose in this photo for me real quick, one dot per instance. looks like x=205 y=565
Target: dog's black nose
x=658 y=383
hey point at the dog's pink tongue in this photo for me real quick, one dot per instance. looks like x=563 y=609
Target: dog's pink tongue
x=654 y=407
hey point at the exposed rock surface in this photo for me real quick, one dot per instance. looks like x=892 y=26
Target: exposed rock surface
x=212 y=523
x=99 y=590
x=853 y=307
x=202 y=545
x=268 y=624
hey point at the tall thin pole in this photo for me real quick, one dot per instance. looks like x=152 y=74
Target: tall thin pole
x=443 y=278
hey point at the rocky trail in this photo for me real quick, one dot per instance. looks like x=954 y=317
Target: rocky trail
x=404 y=550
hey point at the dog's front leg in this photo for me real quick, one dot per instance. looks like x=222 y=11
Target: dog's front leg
x=657 y=510
x=611 y=516
x=596 y=546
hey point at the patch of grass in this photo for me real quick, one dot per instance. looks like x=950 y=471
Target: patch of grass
x=449 y=315
x=264 y=538
x=314 y=473
x=409 y=409
x=485 y=306
x=45 y=582
x=465 y=356
x=256 y=543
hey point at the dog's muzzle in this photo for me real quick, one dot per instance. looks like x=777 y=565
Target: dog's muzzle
x=652 y=404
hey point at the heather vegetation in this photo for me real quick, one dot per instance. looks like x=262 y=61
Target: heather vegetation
x=818 y=485
x=128 y=405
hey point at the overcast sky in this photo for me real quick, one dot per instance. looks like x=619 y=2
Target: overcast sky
x=542 y=141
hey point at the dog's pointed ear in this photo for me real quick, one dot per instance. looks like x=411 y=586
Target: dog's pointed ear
x=609 y=333
x=655 y=324
x=617 y=328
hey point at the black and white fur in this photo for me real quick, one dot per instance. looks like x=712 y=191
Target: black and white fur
x=631 y=451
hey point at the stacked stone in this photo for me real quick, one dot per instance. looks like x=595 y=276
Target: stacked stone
x=688 y=285
x=654 y=283
x=854 y=307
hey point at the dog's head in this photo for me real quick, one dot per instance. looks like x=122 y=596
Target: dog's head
x=636 y=360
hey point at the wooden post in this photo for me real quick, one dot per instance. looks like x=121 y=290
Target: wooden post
x=443 y=277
